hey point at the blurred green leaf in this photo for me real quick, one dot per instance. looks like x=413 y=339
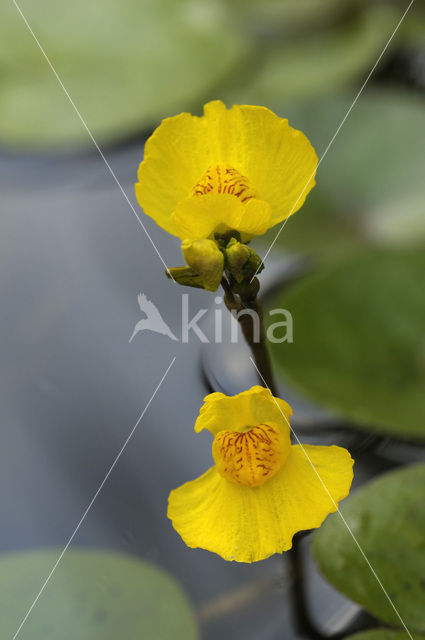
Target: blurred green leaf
x=412 y=31
x=359 y=341
x=124 y=63
x=374 y=168
x=387 y=517
x=370 y=186
x=373 y=171
x=288 y=18
x=384 y=634
x=317 y=228
x=92 y=595
x=318 y=63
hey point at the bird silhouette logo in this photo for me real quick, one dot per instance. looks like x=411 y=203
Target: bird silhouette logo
x=153 y=320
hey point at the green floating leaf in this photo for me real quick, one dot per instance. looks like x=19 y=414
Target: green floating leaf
x=412 y=31
x=319 y=228
x=384 y=634
x=125 y=64
x=91 y=595
x=369 y=186
x=359 y=341
x=372 y=174
x=374 y=168
x=317 y=63
x=288 y=18
x=387 y=518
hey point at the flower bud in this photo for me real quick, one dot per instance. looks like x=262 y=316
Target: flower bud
x=242 y=262
x=206 y=259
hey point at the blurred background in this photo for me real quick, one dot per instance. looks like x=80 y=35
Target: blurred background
x=74 y=257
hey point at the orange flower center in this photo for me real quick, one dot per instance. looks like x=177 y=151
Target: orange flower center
x=251 y=457
x=222 y=178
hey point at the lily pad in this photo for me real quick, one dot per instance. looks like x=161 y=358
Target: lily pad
x=317 y=63
x=384 y=634
x=320 y=228
x=125 y=64
x=387 y=518
x=288 y=18
x=92 y=594
x=369 y=185
x=373 y=169
x=359 y=341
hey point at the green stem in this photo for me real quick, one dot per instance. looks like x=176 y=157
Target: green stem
x=257 y=343
x=259 y=349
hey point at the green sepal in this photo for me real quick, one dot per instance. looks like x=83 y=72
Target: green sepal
x=206 y=259
x=242 y=262
x=247 y=290
x=185 y=276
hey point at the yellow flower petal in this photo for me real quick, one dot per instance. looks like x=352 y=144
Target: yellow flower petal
x=249 y=408
x=247 y=524
x=256 y=219
x=275 y=160
x=198 y=218
x=172 y=163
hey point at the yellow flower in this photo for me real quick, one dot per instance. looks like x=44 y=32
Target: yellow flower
x=244 y=169
x=262 y=489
